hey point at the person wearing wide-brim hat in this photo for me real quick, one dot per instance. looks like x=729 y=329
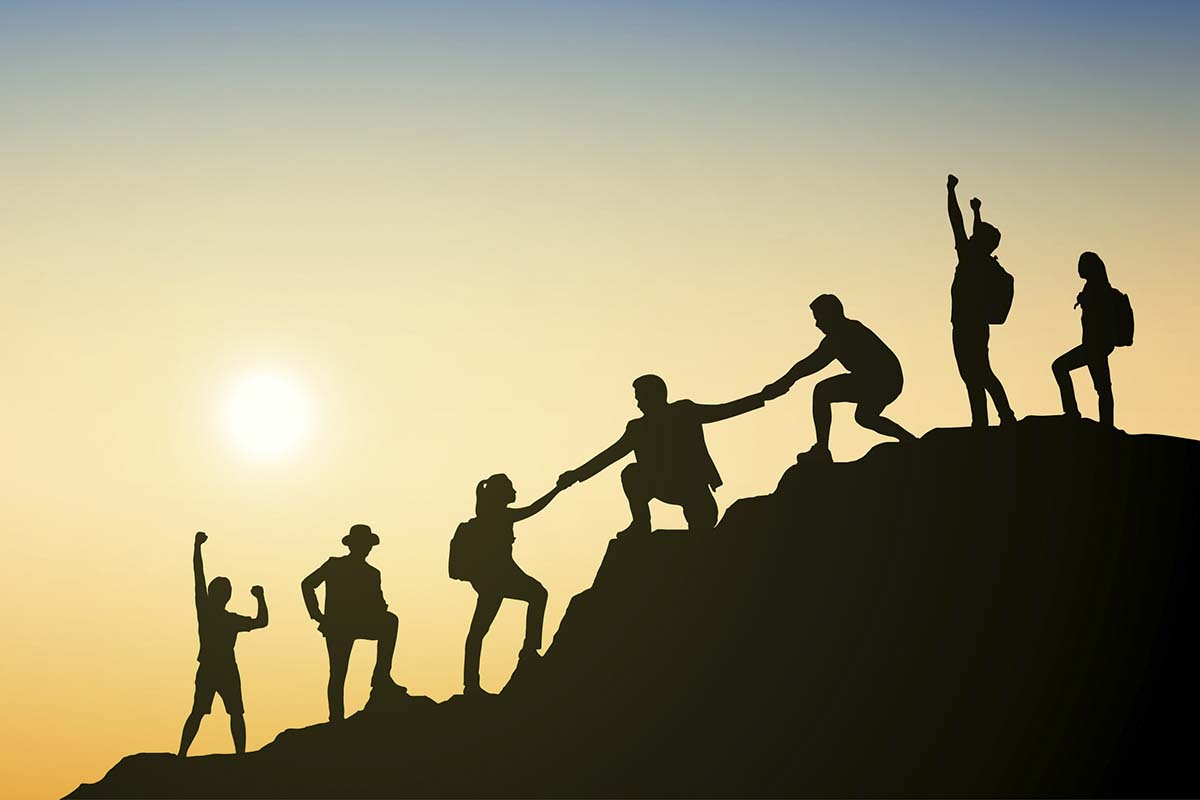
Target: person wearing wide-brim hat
x=354 y=609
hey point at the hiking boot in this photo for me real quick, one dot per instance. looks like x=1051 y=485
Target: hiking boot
x=815 y=453
x=384 y=683
x=1008 y=419
x=635 y=529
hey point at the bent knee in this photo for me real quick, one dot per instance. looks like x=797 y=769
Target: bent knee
x=824 y=390
x=865 y=415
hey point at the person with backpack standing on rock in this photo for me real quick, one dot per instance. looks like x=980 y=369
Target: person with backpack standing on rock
x=981 y=296
x=481 y=553
x=1107 y=320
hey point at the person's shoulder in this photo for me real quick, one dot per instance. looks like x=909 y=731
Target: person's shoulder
x=682 y=406
x=229 y=618
x=857 y=326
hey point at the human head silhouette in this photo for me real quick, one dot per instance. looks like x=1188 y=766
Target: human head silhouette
x=360 y=540
x=827 y=312
x=493 y=493
x=985 y=238
x=219 y=591
x=650 y=391
x=1091 y=267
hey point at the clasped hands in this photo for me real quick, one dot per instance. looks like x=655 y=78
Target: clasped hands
x=776 y=389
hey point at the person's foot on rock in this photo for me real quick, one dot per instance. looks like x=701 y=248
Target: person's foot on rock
x=384 y=683
x=815 y=453
x=635 y=529
x=1008 y=419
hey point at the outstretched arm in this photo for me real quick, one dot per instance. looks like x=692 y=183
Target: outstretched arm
x=605 y=458
x=816 y=361
x=308 y=587
x=198 y=570
x=528 y=511
x=976 y=205
x=720 y=411
x=956 y=217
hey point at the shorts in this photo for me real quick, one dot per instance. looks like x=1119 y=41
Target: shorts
x=218 y=679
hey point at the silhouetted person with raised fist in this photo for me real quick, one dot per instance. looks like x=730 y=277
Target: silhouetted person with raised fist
x=672 y=460
x=218 y=670
x=481 y=553
x=874 y=379
x=978 y=300
x=354 y=609
x=1100 y=317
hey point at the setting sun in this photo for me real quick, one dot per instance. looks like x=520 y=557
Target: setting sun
x=266 y=415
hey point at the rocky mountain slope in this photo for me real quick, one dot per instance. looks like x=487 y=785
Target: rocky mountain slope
x=1004 y=612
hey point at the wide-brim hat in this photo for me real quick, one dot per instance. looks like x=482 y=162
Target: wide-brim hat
x=360 y=533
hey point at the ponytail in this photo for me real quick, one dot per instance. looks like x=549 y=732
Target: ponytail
x=485 y=493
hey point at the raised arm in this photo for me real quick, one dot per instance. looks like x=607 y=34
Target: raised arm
x=816 y=361
x=528 y=511
x=734 y=408
x=308 y=587
x=260 y=618
x=198 y=571
x=605 y=458
x=956 y=217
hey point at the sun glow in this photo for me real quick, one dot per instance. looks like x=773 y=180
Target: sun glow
x=266 y=416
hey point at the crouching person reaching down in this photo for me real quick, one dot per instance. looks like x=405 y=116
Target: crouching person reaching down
x=354 y=609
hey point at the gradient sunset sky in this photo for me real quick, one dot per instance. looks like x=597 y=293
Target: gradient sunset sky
x=460 y=231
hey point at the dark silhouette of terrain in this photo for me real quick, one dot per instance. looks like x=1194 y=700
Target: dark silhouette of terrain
x=1011 y=613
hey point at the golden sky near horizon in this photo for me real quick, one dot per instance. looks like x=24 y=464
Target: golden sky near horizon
x=460 y=265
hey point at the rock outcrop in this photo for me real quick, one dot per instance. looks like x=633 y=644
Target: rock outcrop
x=1004 y=612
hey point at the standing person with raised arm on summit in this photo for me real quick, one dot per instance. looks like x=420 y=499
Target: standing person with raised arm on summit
x=218 y=670
x=673 y=464
x=973 y=296
x=874 y=379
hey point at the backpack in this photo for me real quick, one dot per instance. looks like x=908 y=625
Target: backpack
x=998 y=292
x=466 y=551
x=1122 y=319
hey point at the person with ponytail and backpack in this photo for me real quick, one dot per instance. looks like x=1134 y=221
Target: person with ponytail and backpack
x=481 y=553
x=1107 y=320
